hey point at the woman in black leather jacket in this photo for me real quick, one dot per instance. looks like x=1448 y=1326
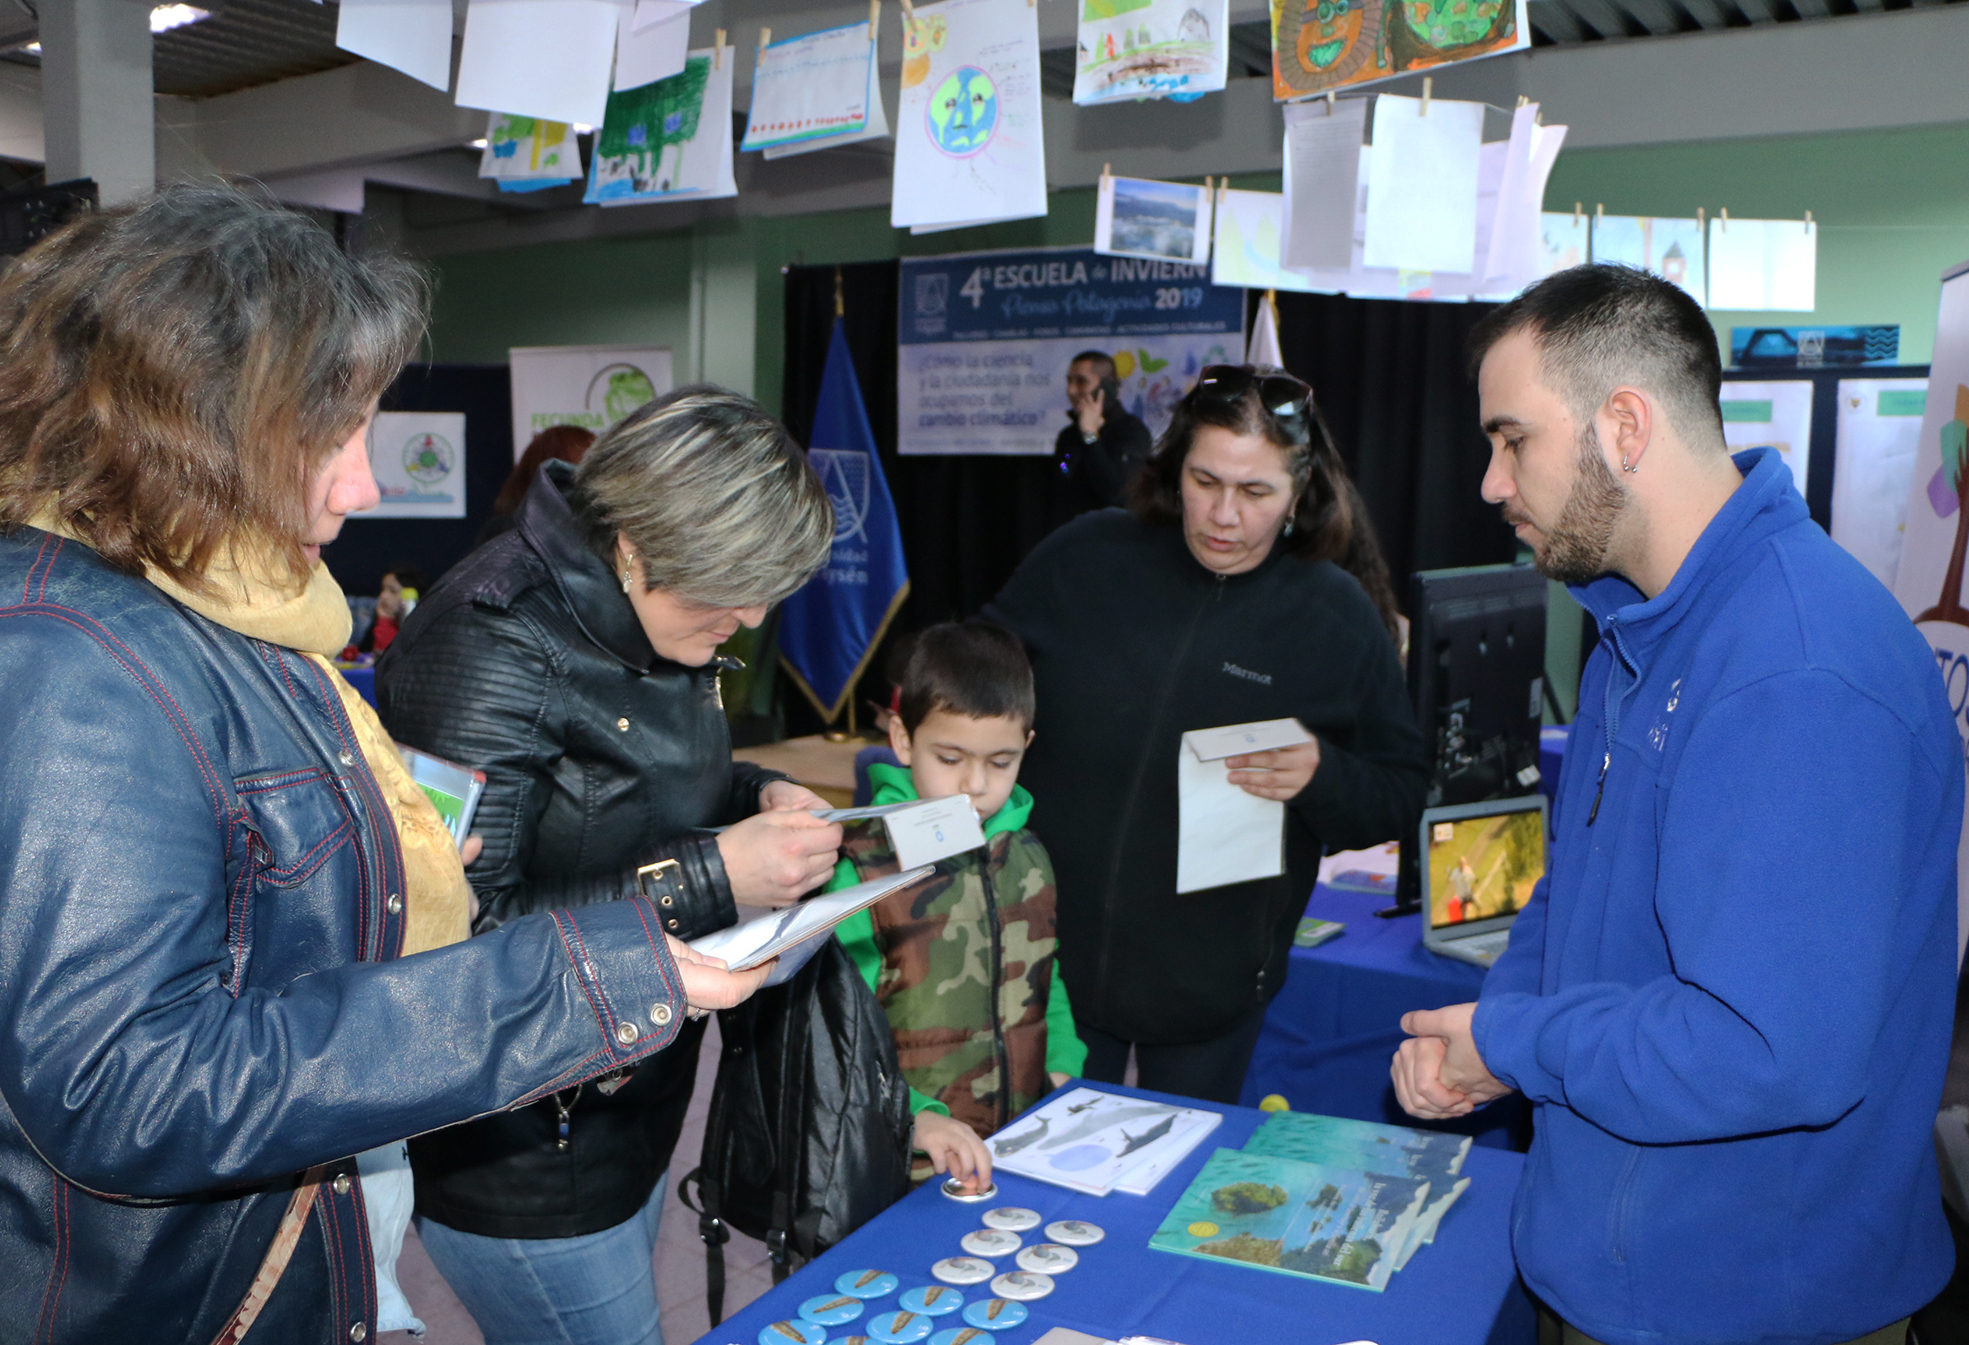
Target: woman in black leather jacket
x=574 y=660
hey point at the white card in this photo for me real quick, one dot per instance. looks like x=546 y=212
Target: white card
x=934 y=829
x=1323 y=161
x=753 y=941
x=413 y=36
x=1261 y=736
x=1422 y=185
x=539 y=58
x=645 y=55
x=1224 y=834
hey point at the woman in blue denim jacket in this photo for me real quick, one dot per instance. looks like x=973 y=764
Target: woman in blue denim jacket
x=210 y=862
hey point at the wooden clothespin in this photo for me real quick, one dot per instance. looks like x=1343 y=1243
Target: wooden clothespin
x=1522 y=100
x=1428 y=88
x=1577 y=207
x=1599 y=211
x=718 y=51
x=1723 y=218
x=874 y=13
x=840 y=307
x=908 y=17
x=1808 y=221
x=1107 y=171
x=765 y=38
x=1332 y=102
x=1702 y=222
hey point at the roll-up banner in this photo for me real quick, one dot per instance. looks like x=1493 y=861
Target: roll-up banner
x=985 y=339
x=589 y=386
x=1933 y=549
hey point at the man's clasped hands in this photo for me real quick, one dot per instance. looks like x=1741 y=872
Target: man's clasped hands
x=1438 y=1072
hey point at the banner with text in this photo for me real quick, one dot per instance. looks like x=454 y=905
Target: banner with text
x=986 y=337
x=589 y=386
x=1929 y=581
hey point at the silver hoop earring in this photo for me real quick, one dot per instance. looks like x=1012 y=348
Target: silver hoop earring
x=1623 y=465
x=1288 y=528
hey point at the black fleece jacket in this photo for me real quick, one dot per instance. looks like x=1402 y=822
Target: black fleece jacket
x=526 y=661
x=1133 y=644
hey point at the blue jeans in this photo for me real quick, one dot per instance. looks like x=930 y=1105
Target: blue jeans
x=598 y=1289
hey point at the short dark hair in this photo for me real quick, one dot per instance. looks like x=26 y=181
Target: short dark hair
x=1599 y=326
x=410 y=576
x=970 y=668
x=1100 y=357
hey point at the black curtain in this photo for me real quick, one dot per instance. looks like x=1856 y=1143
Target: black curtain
x=1391 y=378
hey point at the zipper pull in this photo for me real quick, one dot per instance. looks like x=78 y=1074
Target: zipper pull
x=1599 y=789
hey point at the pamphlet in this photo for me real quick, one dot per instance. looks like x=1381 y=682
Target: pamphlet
x=752 y=942
x=1299 y=1218
x=1400 y=1151
x=1096 y=1142
x=453 y=788
x=1225 y=835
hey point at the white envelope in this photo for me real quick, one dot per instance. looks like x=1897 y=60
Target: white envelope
x=1225 y=835
x=934 y=829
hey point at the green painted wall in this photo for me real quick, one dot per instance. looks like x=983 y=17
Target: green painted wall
x=1893 y=207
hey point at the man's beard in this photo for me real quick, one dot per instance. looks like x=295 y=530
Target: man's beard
x=1575 y=550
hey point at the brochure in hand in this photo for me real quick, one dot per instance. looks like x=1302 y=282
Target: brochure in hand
x=751 y=942
x=453 y=788
x=1096 y=1142
x=1328 y=1223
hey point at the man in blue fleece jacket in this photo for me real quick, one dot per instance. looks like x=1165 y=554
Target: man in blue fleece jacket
x=1731 y=997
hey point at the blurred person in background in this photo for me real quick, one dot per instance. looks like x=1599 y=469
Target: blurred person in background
x=556 y=443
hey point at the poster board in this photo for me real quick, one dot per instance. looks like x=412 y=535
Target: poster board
x=589 y=386
x=1771 y=415
x=985 y=338
x=1877 y=436
x=418 y=458
x=1929 y=580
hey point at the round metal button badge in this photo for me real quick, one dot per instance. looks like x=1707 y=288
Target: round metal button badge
x=997 y=1313
x=963 y=1270
x=1011 y=1218
x=963 y=1335
x=794 y=1332
x=1048 y=1257
x=932 y=1300
x=1074 y=1232
x=991 y=1242
x=1023 y=1285
x=954 y=1188
x=899 y=1328
x=832 y=1309
x=866 y=1284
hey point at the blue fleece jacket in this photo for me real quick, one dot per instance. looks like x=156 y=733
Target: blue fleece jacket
x=1731 y=997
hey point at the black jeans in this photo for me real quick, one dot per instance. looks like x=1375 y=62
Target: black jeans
x=1210 y=1071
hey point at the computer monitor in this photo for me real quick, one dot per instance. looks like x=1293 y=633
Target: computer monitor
x=1484 y=860
x=1476 y=678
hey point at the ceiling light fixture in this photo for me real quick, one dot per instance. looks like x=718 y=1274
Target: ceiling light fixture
x=478 y=144
x=166 y=17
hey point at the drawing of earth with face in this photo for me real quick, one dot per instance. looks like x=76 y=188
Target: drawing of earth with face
x=964 y=112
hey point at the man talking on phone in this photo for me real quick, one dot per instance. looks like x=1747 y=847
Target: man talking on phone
x=1102 y=445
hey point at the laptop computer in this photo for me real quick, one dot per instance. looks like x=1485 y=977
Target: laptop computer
x=1480 y=862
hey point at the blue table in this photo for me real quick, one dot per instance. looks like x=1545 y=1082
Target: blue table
x=1335 y=1024
x=1461 y=1289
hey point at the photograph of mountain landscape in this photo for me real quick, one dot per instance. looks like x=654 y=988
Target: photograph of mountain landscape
x=1141 y=218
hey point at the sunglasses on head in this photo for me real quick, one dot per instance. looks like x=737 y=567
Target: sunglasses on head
x=1285 y=397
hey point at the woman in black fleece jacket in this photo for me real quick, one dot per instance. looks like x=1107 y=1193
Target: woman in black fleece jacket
x=1216 y=600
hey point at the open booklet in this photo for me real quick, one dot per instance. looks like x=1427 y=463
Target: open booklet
x=751 y=942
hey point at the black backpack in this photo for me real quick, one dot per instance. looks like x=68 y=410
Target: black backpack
x=807 y=1137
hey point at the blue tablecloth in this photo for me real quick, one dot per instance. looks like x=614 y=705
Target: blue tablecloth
x=1462 y=1288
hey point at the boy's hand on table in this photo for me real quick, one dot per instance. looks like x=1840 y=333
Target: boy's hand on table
x=775 y=858
x=954 y=1148
x=785 y=796
x=1278 y=774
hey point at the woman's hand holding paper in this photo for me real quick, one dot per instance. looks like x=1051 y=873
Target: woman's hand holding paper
x=1278 y=774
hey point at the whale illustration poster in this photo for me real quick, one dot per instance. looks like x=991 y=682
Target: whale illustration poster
x=1091 y=1141
x=969 y=145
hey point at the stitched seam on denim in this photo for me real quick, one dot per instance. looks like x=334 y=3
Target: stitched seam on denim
x=331 y=1234
x=309 y=864
x=272 y=656
x=675 y=989
x=141 y=674
x=389 y=845
x=27 y=580
x=48 y=572
x=561 y=923
x=268 y=784
x=44 y=1326
x=595 y=972
x=236 y=913
x=367 y=1260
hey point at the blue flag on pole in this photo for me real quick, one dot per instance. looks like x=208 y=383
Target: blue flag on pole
x=829 y=628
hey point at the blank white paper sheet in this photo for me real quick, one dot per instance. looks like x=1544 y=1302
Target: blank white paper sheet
x=539 y=58
x=1322 y=177
x=1422 y=185
x=1224 y=834
x=413 y=36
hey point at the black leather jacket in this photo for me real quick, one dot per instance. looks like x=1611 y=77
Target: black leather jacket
x=527 y=661
x=200 y=904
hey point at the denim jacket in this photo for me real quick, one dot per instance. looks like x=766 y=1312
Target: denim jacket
x=200 y=914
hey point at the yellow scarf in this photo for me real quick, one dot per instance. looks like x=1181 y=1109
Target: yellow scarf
x=315 y=622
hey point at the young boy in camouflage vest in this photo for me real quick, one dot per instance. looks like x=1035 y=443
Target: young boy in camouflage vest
x=963 y=961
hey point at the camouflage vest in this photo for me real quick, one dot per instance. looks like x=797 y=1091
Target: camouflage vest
x=967 y=966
